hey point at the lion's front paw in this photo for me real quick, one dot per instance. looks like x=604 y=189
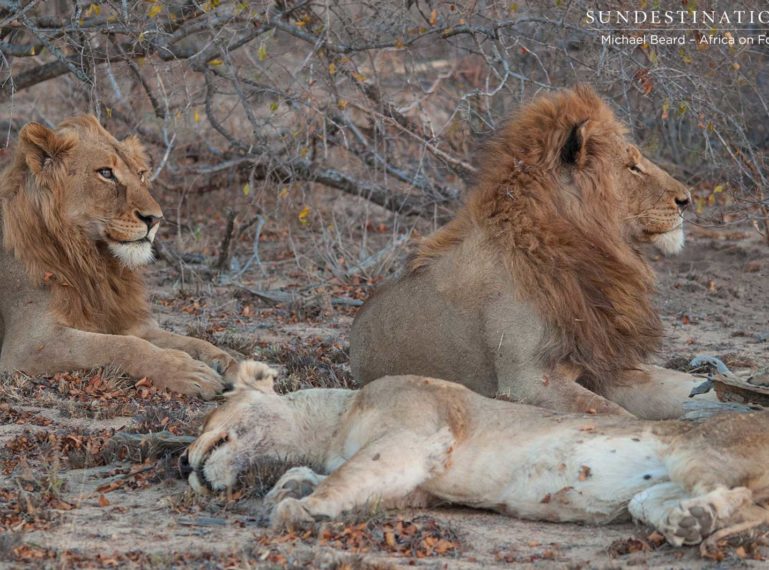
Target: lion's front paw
x=222 y=362
x=178 y=371
x=290 y=513
x=296 y=483
x=213 y=460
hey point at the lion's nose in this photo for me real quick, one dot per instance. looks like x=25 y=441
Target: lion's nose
x=683 y=203
x=150 y=220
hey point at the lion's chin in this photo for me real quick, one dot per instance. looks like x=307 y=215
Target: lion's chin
x=133 y=254
x=670 y=243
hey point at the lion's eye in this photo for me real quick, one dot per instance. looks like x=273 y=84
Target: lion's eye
x=106 y=173
x=634 y=168
x=141 y=176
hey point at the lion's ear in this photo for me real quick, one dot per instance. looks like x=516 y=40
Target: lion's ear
x=43 y=147
x=573 y=150
x=252 y=375
x=91 y=122
x=633 y=153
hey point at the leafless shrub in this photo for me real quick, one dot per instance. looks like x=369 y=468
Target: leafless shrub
x=379 y=99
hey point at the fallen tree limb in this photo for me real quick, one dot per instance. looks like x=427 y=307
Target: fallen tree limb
x=285 y=298
x=139 y=447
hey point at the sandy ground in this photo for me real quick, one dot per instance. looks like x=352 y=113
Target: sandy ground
x=68 y=499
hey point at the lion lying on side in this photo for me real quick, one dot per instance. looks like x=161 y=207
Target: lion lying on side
x=413 y=441
x=537 y=290
x=78 y=221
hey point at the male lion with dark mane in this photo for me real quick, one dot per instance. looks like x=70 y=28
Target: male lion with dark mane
x=536 y=289
x=78 y=221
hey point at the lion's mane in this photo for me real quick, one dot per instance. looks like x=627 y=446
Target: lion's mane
x=562 y=235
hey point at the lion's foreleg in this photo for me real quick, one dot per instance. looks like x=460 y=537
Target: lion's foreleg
x=523 y=379
x=386 y=470
x=556 y=391
x=198 y=349
x=58 y=348
x=654 y=393
x=296 y=483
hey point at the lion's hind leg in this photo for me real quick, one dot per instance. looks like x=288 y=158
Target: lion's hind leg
x=386 y=470
x=685 y=519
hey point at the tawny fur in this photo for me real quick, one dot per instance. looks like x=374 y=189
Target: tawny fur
x=415 y=441
x=91 y=289
x=561 y=203
x=566 y=248
x=77 y=221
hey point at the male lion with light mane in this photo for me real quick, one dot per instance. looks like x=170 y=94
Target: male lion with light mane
x=415 y=441
x=537 y=290
x=78 y=221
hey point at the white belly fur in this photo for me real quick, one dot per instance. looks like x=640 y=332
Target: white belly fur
x=571 y=476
